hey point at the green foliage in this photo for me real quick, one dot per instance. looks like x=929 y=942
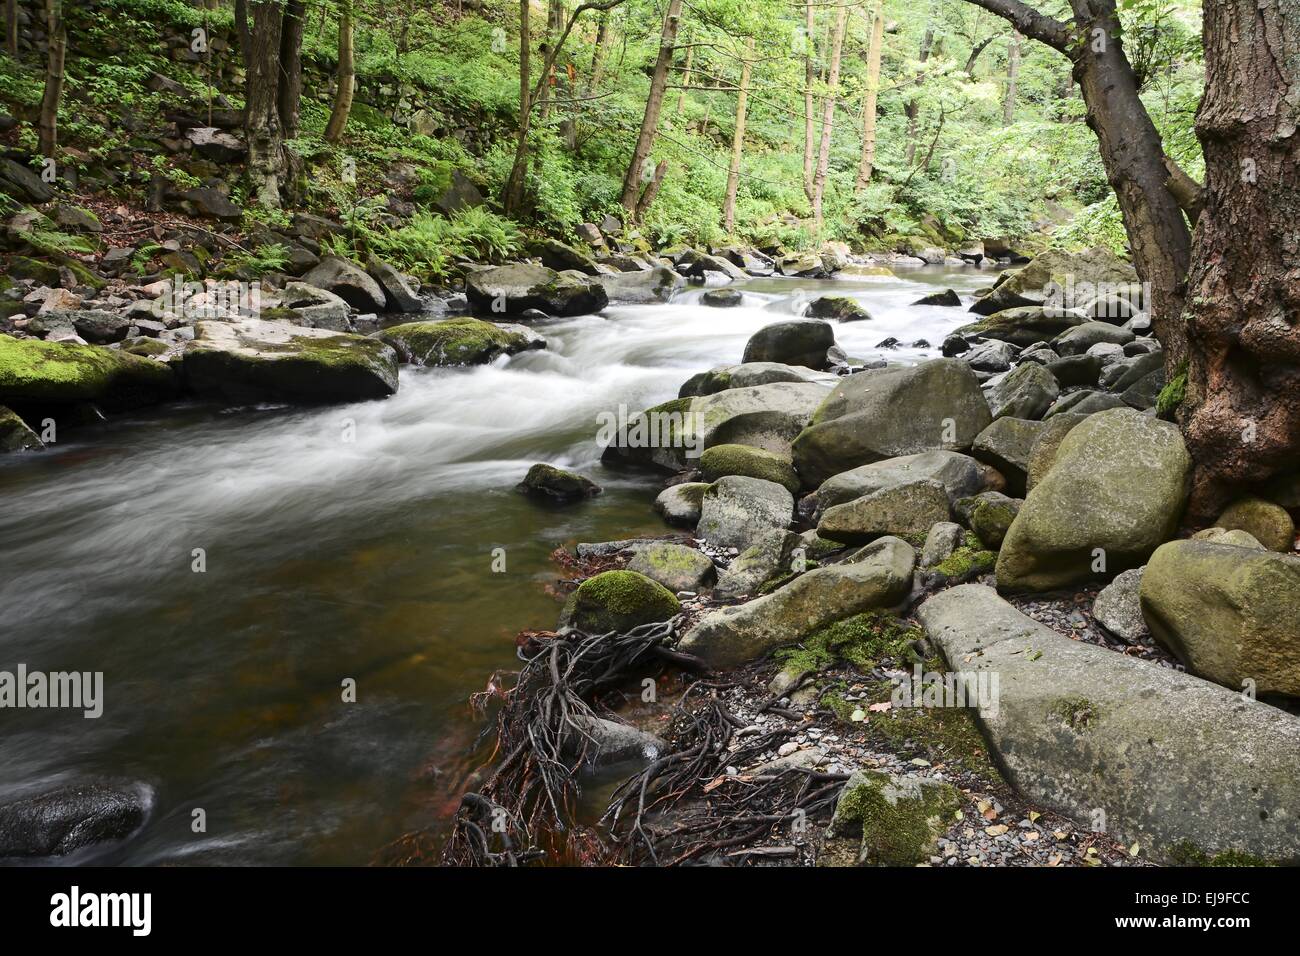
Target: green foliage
x=428 y=244
x=267 y=257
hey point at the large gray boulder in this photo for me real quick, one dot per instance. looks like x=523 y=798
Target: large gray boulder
x=736 y=511
x=879 y=576
x=1027 y=391
x=961 y=476
x=349 y=282
x=1061 y=280
x=885 y=413
x=253 y=360
x=907 y=510
x=749 y=375
x=1021 y=326
x=1114 y=494
x=1230 y=614
x=798 y=342
x=767 y=559
x=519 y=287
x=1008 y=445
x=647 y=287
x=1151 y=755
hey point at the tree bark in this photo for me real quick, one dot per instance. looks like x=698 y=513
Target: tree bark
x=868 y=161
x=809 y=104
x=828 y=113
x=1013 y=77
x=513 y=196
x=654 y=106
x=738 y=141
x=1241 y=416
x=650 y=192
x=11 y=27
x=243 y=38
x=686 y=81
x=347 y=77
x=911 y=108
x=57 y=31
x=289 y=96
x=266 y=163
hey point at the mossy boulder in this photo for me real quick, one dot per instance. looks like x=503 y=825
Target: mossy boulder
x=1267 y=523
x=838 y=308
x=1115 y=493
x=906 y=510
x=254 y=360
x=618 y=601
x=745 y=376
x=519 y=287
x=553 y=484
x=679 y=505
x=989 y=516
x=722 y=460
x=1022 y=326
x=1229 y=613
x=895 y=820
x=1061 y=280
x=675 y=566
x=15 y=435
x=462 y=341
x=36 y=373
x=1042 y=454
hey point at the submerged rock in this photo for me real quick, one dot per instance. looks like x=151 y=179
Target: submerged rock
x=461 y=341
x=61 y=821
x=838 y=308
x=15 y=435
x=618 y=601
x=260 y=361
x=557 y=485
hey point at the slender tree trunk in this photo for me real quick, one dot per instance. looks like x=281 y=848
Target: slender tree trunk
x=266 y=163
x=686 y=81
x=1013 y=75
x=513 y=198
x=738 y=142
x=1241 y=415
x=868 y=161
x=599 y=53
x=243 y=38
x=57 y=31
x=654 y=105
x=11 y=27
x=289 y=98
x=554 y=23
x=650 y=192
x=912 y=108
x=828 y=112
x=347 y=77
x=809 y=101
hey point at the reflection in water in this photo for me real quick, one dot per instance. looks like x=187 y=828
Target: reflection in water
x=329 y=559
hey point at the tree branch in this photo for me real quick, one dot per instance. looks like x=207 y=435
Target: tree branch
x=1187 y=191
x=1030 y=22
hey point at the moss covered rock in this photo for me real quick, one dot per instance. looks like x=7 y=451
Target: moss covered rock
x=839 y=308
x=519 y=287
x=15 y=435
x=457 y=341
x=907 y=510
x=989 y=515
x=555 y=484
x=680 y=504
x=896 y=821
x=675 y=566
x=1267 y=523
x=37 y=373
x=722 y=460
x=618 y=601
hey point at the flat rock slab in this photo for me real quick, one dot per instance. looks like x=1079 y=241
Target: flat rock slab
x=1164 y=759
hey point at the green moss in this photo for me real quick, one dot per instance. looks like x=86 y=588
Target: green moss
x=722 y=460
x=898 y=821
x=452 y=342
x=1078 y=713
x=1173 y=394
x=967 y=562
x=32 y=370
x=863 y=640
x=1187 y=853
x=619 y=601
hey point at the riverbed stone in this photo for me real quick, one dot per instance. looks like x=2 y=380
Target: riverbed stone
x=1118 y=607
x=675 y=566
x=961 y=476
x=647 y=287
x=459 y=341
x=891 y=820
x=767 y=559
x=1007 y=445
x=521 y=287
x=1266 y=522
x=1230 y=614
x=1060 y=280
x=15 y=435
x=889 y=412
x=1078 y=340
x=722 y=460
x=1172 y=759
x=906 y=510
x=797 y=342
x=1028 y=391
x=70 y=818
x=1119 y=484
x=680 y=505
x=350 y=282
x=880 y=575
x=255 y=360
x=736 y=510
x=38 y=374
x=618 y=601
x=989 y=515
x=746 y=376
x=837 y=308
x=1043 y=453
x=548 y=483
x=943 y=538
x=1021 y=326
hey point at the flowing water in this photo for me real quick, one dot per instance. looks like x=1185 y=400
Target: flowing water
x=344 y=542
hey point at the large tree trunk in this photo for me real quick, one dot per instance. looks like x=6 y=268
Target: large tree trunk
x=289 y=98
x=1241 y=415
x=738 y=141
x=57 y=31
x=1013 y=77
x=828 y=113
x=809 y=104
x=243 y=38
x=513 y=197
x=868 y=161
x=266 y=164
x=347 y=78
x=654 y=105
x=11 y=27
